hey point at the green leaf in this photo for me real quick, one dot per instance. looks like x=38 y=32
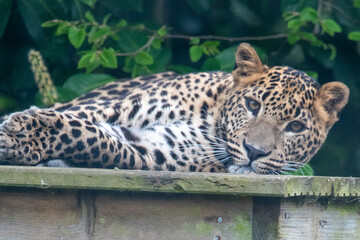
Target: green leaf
x=226 y=58
x=62 y=28
x=330 y=27
x=90 y=3
x=144 y=58
x=156 y=43
x=195 y=53
x=108 y=58
x=288 y=16
x=90 y=61
x=51 y=23
x=210 y=47
x=82 y=83
x=162 y=31
x=106 y=18
x=65 y=94
x=76 y=36
x=98 y=33
x=5 y=9
x=309 y=14
x=90 y=17
x=312 y=74
x=356 y=3
x=308 y=36
x=305 y=170
x=122 y=23
x=210 y=64
x=195 y=41
x=294 y=24
x=354 y=36
x=293 y=38
x=6 y=103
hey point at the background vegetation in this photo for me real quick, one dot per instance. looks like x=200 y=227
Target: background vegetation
x=86 y=43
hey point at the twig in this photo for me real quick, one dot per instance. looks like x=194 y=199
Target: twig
x=147 y=44
x=230 y=39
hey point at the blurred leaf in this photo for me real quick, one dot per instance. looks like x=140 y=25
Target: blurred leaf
x=354 y=36
x=195 y=53
x=90 y=3
x=356 y=3
x=106 y=18
x=51 y=23
x=312 y=74
x=226 y=59
x=34 y=13
x=98 y=33
x=144 y=58
x=156 y=43
x=210 y=47
x=305 y=170
x=122 y=23
x=294 y=24
x=6 y=103
x=210 y=64
x=182 y=69
x=108 y=58
x=62 y=28
x=293 y=38
x=309 y=14
x=330 y=27
x=76 y=36
x=90 y=17
x=195 y=41
x=5 y=9
x=90 y=61
x=65 y=94
x=162 y=31
x=288 y=16
x=82 y=83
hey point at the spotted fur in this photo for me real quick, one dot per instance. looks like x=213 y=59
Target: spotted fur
x=257 y=119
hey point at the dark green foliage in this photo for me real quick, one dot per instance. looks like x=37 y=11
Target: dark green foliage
x=87 y=43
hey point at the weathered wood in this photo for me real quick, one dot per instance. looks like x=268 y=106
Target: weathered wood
x=312 y=219
x=175 y=217
x=177 y=182
x=91 y=204
x=42 y=215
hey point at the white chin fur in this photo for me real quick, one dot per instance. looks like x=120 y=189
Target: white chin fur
x=240 y=169
x=54 y=163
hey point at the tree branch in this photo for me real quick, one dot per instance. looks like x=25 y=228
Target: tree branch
x=229 y=39
x=147 y=44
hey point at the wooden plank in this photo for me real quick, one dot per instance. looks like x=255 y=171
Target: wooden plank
x=41 y=215
x=319 y=219
x=174 y=182
x=176 y=217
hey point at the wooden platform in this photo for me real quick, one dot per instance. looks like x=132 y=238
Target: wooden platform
x=74 y=203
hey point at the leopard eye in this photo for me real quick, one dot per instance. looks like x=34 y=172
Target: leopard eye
x=295 y=126
x=252 y=105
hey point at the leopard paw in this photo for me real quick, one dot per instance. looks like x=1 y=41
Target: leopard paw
x=21 y=135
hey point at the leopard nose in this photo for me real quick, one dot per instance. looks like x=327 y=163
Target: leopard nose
x=254 y=153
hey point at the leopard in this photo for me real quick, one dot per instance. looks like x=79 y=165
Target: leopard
x=255 y=119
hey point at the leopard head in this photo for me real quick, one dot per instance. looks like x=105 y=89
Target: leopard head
x=276 y=119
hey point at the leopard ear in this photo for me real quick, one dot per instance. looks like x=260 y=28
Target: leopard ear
x=331 y=98
x=247 y=63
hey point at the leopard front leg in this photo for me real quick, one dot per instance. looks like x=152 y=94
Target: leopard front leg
x=38 y=135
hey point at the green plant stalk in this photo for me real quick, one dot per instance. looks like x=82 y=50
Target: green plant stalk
x=42 y=78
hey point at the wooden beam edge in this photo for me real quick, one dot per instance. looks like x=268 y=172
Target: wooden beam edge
x=177 y=182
